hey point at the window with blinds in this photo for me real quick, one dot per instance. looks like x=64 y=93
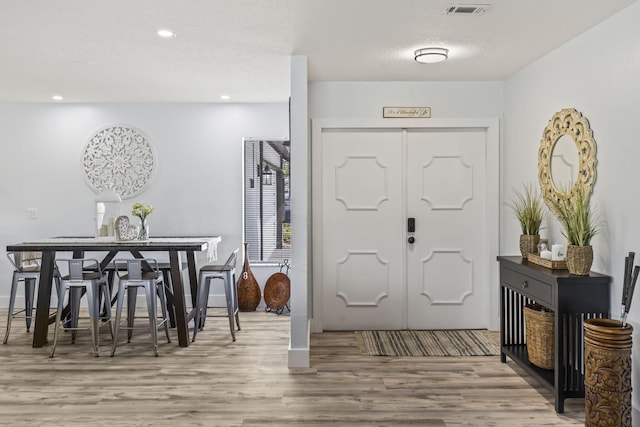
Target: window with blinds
x=267 y=218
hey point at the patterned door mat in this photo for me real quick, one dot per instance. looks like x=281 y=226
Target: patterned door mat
x=455 y=342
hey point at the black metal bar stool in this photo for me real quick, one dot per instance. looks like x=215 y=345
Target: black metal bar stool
x=227 y=273
x=165 y=268
x=26 y=270
x=84 y=275
x=141 y=273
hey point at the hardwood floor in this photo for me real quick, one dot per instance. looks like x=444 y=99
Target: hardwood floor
x=216 y=382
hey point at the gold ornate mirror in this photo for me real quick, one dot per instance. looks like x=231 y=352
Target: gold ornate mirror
x=566 y=158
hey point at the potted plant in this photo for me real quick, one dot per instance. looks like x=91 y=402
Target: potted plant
x=579 y=226
x=527 y=206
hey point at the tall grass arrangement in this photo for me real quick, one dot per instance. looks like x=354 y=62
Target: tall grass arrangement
x=527 y=206
x=578 y=221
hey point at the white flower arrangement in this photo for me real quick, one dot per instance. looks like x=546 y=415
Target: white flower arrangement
x=141 y=211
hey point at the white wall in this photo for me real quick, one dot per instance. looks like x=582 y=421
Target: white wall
x=197 y=189
x=597 y=73
x=364 y=100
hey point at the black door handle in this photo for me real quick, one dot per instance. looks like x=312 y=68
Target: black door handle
x=411 y=225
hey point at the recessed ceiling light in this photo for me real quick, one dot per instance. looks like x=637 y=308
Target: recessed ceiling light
x=57 y=97
x=430 y=55
x=166 y=34
x=225 y=97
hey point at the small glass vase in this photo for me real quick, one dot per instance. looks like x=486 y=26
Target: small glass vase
x=144 y=230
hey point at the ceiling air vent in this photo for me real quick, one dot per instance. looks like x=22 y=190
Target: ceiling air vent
x=467 y=9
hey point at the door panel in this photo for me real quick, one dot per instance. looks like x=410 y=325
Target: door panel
x=446 y=195
x=362 y=219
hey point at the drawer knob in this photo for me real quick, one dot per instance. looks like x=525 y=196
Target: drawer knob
x=525 y=284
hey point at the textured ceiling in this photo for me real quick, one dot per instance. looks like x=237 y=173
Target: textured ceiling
x=108 y=51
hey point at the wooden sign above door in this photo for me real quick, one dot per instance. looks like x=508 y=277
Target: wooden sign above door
x=406 y=112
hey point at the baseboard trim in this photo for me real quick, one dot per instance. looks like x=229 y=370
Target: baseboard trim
x=298 y=357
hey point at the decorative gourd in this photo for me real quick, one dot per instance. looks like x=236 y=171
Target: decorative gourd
x=248 y=290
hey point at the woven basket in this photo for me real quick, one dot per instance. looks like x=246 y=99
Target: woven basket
x=529 y=244
x=579 y=259
x=540 y=335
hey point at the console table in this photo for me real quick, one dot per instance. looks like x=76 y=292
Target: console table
x=572 y=298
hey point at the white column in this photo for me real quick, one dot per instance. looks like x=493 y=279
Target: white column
x=300 y=216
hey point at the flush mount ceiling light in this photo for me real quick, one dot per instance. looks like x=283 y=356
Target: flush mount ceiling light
x=166 y=34
x=430 y=55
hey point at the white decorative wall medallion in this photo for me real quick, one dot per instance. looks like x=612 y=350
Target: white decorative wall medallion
x=121 y=157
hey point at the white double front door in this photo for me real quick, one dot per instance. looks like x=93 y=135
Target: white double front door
x=375 y=272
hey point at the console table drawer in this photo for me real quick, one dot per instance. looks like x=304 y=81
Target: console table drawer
x=538 y=291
